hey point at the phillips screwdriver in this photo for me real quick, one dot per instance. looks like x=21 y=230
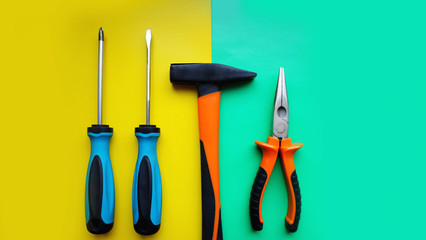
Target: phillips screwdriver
x=100 y=197
x=146 y=195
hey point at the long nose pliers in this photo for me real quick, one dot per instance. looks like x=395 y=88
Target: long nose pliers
x=279 y=142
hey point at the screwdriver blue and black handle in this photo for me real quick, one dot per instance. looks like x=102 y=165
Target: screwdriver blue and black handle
x=100 y=199
x=147 y=192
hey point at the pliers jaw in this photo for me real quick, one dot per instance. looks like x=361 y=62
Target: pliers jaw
x=280 y=128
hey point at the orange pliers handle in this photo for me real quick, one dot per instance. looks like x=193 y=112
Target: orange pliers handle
x=270 y=153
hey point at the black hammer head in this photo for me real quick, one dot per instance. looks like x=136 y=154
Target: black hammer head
x=207 y=73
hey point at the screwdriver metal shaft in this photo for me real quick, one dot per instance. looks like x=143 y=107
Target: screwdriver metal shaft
x=100 y=65
x=148 y=74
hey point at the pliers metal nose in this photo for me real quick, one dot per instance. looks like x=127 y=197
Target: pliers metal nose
x=279 y=142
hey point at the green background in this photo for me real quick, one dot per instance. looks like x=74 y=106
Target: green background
x=355 y=79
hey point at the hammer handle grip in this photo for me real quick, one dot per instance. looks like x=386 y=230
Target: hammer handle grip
x=208 y=117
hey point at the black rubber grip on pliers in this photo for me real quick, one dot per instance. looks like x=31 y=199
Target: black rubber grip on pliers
x=256 y=194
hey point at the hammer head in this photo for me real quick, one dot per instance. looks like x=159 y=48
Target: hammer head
x=207 y=73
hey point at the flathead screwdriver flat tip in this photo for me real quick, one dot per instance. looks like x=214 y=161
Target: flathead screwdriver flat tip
x=148 y=37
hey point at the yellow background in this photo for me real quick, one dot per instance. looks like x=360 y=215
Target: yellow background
x=48 y=98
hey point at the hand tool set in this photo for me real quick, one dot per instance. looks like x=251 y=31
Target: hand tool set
x=147 y=189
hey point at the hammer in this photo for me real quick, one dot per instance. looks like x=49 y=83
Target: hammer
x=208 y=77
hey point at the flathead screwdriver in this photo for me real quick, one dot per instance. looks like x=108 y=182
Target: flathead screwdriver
x=99 y=196
x=147 y=192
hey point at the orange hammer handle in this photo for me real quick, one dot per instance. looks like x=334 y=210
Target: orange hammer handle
x=270 y=153
x=208 y=118
x=287 y=151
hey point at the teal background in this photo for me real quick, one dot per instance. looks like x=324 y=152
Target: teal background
x=356 y=80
